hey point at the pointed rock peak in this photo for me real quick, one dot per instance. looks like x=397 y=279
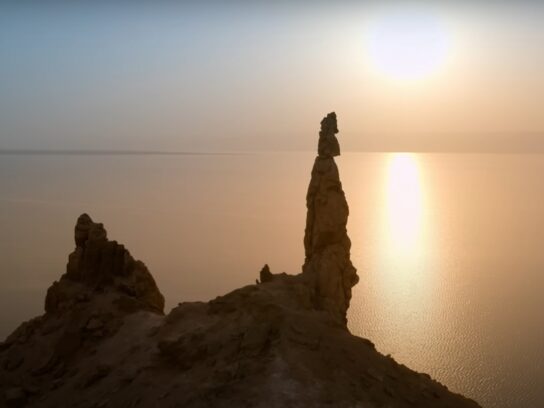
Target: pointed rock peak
x=99 y=265
x=328 y=143
x=265 y=274
x=326 y=242
x=81 y=233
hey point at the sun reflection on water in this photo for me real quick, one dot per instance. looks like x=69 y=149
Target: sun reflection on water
x=404 y=207
x=403 y=278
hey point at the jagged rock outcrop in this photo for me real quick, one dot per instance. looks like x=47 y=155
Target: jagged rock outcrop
x=328 y=145
x=265 y=274
x=98 y=264
x=326 y=242
x=102 y=286
x=104 y=341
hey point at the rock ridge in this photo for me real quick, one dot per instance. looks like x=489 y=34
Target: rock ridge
x=104 y=341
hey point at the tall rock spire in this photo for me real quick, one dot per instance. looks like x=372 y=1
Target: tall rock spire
x=327 y=245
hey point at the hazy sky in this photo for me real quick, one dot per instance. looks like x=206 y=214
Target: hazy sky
x=214 y=76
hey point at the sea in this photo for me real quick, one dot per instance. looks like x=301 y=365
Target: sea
x=449 y=247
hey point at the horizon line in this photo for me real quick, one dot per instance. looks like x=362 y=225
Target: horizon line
x=105 y=152
x=114 y=152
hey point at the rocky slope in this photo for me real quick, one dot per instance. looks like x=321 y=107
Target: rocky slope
x=283 y=342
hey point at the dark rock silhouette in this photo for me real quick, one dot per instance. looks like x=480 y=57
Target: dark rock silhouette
x=265 y=274
x=104 y=342
x=98 y=264
x=328 y=145
x=326 y=242
x=102 y=286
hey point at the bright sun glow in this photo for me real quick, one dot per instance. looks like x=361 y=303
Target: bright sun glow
x=407 y=45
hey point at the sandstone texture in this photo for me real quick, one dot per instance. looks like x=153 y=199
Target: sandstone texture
x=104 y=341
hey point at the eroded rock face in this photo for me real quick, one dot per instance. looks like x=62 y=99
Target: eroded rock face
x=328 y=143
x=102 y=287
x=326 y=242
x=98 y=265
x=261 y=346
x=283 y=342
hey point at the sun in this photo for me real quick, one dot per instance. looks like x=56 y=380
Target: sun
x=407 y=45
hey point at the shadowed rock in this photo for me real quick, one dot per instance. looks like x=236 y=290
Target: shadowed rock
x=98 y=264
x=326 y=242
x=265 y=274
x=328 y=143
x=104 y=342
x=103 y=286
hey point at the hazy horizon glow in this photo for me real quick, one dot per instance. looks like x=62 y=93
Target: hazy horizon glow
x=209 y=76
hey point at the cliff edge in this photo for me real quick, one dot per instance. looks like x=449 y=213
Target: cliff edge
x=104 y=340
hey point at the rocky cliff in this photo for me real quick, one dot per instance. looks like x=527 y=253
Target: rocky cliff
x=283 y=342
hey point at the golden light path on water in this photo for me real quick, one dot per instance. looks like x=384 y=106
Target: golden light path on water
x=404 y=207
x=404 y=278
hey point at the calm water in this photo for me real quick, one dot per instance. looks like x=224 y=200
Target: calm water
x=450 y=248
